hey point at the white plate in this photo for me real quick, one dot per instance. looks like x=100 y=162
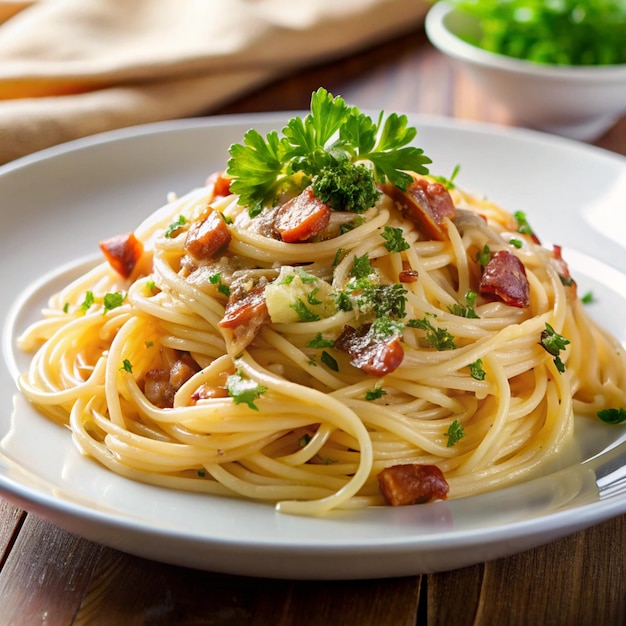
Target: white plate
x=55 y=207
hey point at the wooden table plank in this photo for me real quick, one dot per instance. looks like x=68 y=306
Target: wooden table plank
x=11 y=519
x=45 y=575
x=576 y=581
x=54 y=577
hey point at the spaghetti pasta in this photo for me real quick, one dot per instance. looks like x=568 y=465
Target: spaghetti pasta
x=296 y=372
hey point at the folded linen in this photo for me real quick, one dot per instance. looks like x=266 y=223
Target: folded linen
x=71 y=68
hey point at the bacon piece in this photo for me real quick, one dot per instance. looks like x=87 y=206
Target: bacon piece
x=408 y=276
x=302 y=217
x=245 y=315
x=208 y=237
x=158 y=389
x=412 y=483
x=505 y=277
x=368 y=352
x=426 y=203
x=562 y=267
x=160 y=385
x=207 y=392
x=182 y=370
x=122 y=252
x=221 y=184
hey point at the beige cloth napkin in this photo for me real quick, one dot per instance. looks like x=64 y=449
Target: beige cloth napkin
x=71 y=68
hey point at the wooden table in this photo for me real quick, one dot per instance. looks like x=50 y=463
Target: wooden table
x=48 y=576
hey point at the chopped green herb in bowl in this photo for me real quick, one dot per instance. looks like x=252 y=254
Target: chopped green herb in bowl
x=559 y=32
x=553 y=65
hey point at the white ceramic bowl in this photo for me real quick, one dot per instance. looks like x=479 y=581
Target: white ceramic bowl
x=580 y=102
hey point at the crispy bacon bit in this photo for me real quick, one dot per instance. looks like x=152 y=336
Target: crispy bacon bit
x=206 y=392
x=245 y=315
x=160 y=385
x=504 y=276
x=302 y=217
x=208 y=237
x=407 y=276
x=157 y=388
x=373 y=355
x=427 y=204
x=221 y=184
x=122 y=252
x=563 y=271
x=412 y=484
x=182 y=370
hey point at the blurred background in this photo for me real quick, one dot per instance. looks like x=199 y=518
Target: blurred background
x=71 y=68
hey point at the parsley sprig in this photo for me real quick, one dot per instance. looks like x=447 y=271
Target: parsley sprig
x=332 y=135
x=553 y=343
x=455 y=433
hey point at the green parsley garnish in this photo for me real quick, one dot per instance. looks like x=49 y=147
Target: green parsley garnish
x=484 y=256
x=454 y=433
x=448 y=183
x=467 y=309
x=329 y=361
x=385 y=329
x=343 y=302
x=612 y=416
x=333 y=137
x=383 y=300
x=438 y=338
x=476 y=370
x=553 y=343
x=311 y=297
x=223 y=288
x=87 y=302
x=113 y=300
x=523 y=227
x=304 y=313
x=319 y=342
x=361 y=267
x=394 y=239
x=375 y=393
x=338 y=255
x=174 y=226
x=346 y=187
x=355 y=223
x=587 y=298
x=243 y=390
x=127 y=366
x=516 y=243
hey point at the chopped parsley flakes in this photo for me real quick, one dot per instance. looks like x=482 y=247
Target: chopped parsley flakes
x=243 y=390
x=476 y=370
x=454 y=433
x=394 y=239
x=553 y=343
x=438 y=338
x=174 y=226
